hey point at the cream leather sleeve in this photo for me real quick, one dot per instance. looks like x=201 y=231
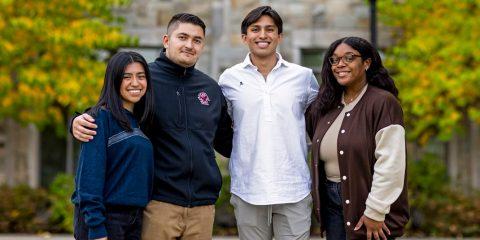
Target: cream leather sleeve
x=389 y=171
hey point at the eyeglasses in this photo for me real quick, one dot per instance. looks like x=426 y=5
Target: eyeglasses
x=347 y=58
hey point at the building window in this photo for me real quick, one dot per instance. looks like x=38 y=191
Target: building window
x=313 y=58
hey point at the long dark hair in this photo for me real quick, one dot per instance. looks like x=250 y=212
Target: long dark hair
x=110 y=97
x=330 y=92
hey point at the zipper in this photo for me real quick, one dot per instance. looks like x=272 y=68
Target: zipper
x=179 y=101
x=190 y=149
x=189 y=188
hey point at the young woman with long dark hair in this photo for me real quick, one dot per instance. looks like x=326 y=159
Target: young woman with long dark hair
x=358 y=146
x=115 y=169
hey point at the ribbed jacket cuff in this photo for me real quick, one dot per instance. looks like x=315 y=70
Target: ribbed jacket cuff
x=97 y=232
x=375 y=215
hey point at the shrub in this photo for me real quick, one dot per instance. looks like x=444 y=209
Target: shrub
x=27 y=210
x=61 y=209
x=23 y=209
x=437 y=209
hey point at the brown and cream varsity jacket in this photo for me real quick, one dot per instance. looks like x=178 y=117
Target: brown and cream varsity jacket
x=371 y=154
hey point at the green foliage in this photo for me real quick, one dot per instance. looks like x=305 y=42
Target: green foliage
x=49 y=62
x=61 y=218
x=434 y=63
x=437 y=209
x=23 y=209
x=27 y=210
x=224 y=213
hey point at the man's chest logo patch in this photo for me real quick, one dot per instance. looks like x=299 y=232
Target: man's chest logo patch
x=203 y=98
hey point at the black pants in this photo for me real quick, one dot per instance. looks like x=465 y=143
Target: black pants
x=122 y=223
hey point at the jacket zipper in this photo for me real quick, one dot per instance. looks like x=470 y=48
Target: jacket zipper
x=179 y=101
x=189 y=147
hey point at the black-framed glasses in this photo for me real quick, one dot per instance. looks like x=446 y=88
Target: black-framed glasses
x=347 y=58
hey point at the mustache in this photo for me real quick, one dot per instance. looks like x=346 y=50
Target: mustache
x=188 y=51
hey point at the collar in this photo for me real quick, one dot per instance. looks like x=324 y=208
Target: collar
x=247 y=62
x=357 y=99
x=172 y=67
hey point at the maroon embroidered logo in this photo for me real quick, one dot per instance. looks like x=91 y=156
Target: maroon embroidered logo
x=203 y=97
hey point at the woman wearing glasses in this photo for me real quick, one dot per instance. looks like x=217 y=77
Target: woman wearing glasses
x=358 y=146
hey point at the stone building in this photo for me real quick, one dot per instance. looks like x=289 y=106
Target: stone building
x=309 y=27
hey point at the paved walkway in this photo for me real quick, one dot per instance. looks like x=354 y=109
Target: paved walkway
x=69 y=237
x=64 y=237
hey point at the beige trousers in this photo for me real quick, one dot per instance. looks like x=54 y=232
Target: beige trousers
x=165 y=221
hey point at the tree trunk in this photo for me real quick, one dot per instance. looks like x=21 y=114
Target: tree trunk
x=10 y=142
x=33 y=156
x=475 y=154
x=69 y=166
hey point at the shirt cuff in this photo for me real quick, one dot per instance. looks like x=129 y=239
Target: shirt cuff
x=373 y=214
x=97 y=232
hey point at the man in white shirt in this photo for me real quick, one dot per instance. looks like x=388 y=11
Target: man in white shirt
x=267 y=98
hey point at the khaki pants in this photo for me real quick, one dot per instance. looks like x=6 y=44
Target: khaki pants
x=289 y=221
x=165 y=221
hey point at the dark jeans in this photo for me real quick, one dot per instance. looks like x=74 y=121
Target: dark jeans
x=122 y=222
x=334 y=222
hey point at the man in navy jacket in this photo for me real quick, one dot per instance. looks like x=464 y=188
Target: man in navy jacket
x=191 y=120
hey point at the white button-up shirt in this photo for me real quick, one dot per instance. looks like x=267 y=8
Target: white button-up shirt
x=268 y=161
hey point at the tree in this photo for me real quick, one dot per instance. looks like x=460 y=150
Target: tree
x=435 y=63
x=51 y=60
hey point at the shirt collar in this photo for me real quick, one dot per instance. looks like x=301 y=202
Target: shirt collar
x=281 y=62
x=357 y=99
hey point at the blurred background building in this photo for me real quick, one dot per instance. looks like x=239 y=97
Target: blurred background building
x=309 y=27
x=28 y=156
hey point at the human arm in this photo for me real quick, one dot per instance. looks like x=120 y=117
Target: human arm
x=90 y=182
x=82 y=126
x=224 y=134
x=390 y=165
x=312 y=90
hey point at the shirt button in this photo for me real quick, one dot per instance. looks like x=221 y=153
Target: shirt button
x=318 y=140
x=343 y=131
x=348 y=223
x=344 y=177
x=328 y=122
x=338 y=106
x=347 y=201
x=341 y=152
x=348 y=114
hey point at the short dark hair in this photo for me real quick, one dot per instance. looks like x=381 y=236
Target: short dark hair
x=185 y=18
x=257 y=13
x=110 y=97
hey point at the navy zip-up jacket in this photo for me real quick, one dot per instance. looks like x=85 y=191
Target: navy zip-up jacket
x=190 y=120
